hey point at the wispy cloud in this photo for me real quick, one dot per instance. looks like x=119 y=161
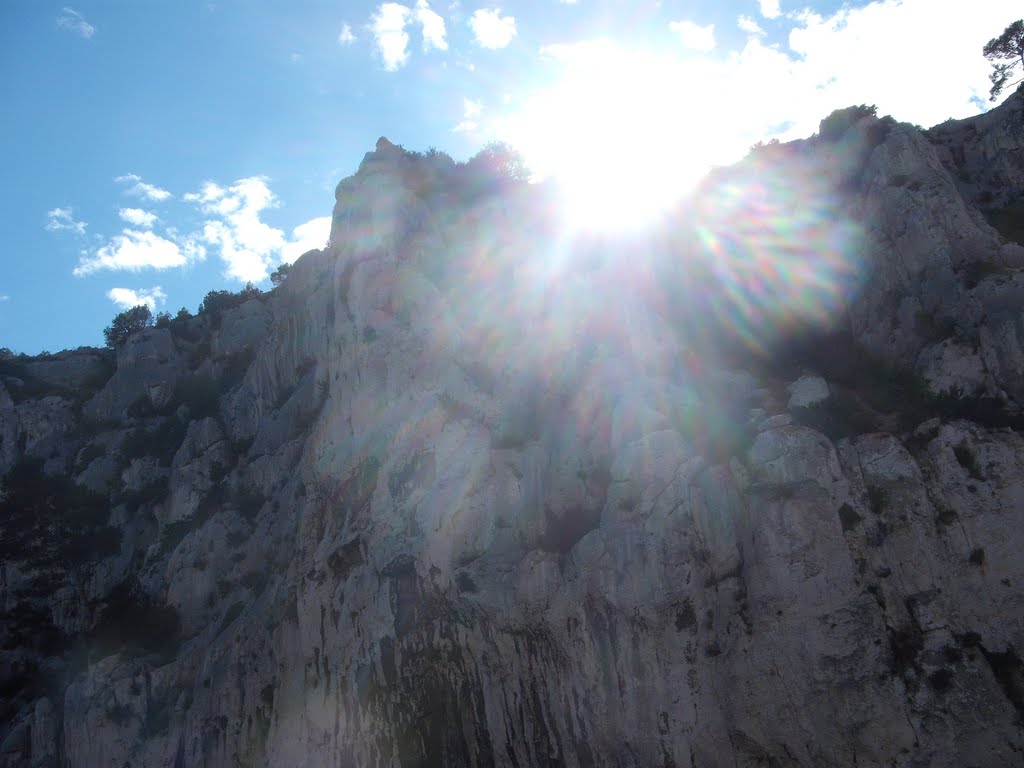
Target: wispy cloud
x=63 y=220
x=139 y=188
x=128 y=298
x=346 y=36
x=491 y=29
x=135 y=250
x=770 y=8
x=694 y=35
x=73 y=21
x=470 y=112
x=749 y=26
x=389 y=35
x=138 y=217
x=432 y=26
x=305 y=237
x=4 y=297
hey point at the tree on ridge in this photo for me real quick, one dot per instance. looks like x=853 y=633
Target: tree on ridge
x=1005 y=52
x=126 y=323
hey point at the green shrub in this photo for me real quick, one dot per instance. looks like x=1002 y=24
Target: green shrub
x=848 y=517
x=248 y=501
x=279 y=275
x=126 y=323
x=30 y=387
x=217 y=302
x=1008 y=221
x=47 y=520
x=174 y=533
x=147 y=494
x=182 y=327
x=132 y=620
x=492 y=169
x=161 y=442
x=965 y=458
x=841 y=415
x=200 y=394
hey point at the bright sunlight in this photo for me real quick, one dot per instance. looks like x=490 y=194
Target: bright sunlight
x=624 y=133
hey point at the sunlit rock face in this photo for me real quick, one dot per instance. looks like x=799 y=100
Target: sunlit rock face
x=468 y=489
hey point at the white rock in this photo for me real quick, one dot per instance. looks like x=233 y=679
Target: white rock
x=807 y=391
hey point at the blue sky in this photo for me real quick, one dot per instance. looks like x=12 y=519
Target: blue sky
x=155 y=151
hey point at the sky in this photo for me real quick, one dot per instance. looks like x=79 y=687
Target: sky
x=155 y=151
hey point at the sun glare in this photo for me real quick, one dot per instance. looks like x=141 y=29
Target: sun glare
x=624 y=134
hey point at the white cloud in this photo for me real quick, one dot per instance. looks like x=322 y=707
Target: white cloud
x=491 y=29
x=346 y=36
x=873 y=55
x=61 y=219
x=693 y=35
x=305 y=237
x=138 y=217
x=127 y=298
x=749 y=26
x=140 y=188
x=471 y=110
x=248 y=246
x=432 y=25
x=388 y=27
x=4 y=297
x=770 y=8
x=134 y=250
x=73 y=21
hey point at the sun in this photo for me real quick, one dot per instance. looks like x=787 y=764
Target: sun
x=624 y=133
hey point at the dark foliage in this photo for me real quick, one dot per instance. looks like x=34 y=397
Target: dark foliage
x=1005 y=53
x=131 y=620
x=1008 y=221
x=872 y=394
x=47 y=520
x=848 y=517
x=493 y=169
x=217 y=302
x=840 y=121
x=200 y=394
x=126 y=323
x=280 y=274
x=161 y=441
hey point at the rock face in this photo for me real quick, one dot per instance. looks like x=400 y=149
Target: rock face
x=462 y=493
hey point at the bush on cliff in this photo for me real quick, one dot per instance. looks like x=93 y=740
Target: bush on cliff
x=840 y=121
x=126 y=323
x=217 y=302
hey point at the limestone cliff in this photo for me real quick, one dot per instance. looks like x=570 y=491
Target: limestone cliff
x=465 y=490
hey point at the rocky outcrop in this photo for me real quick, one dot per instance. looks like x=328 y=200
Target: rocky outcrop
x=459 y=492
x=148 y=368
x=985 y=152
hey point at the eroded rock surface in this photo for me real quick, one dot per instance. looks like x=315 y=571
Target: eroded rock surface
x=450 y=496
